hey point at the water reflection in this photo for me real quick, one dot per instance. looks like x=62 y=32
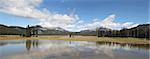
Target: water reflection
x=31 y=44
x=123 y=45
x=2 y=43
x=60 y=49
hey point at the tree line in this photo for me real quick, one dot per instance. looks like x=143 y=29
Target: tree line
x=141 y=31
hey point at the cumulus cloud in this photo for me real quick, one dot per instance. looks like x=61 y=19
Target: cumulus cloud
x=71 y=22
x=28 y=8
x=108 y=22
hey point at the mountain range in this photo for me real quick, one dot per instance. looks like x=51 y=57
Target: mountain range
x=140 y=31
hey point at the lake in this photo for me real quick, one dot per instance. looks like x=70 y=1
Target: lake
x=61 y=49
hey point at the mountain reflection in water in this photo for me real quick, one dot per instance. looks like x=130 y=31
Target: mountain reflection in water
x=34 y=44
x=60 y=49
x=139 y=46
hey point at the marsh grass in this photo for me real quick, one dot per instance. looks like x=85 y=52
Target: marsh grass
x=81 y=38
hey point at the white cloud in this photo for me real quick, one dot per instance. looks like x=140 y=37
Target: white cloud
x=28 y=8
x=108 y=22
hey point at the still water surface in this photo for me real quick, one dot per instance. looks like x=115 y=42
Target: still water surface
x=59 y=49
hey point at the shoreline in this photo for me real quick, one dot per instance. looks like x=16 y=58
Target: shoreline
x=83 y=38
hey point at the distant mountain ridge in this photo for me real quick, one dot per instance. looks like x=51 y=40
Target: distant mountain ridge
x=17 y=30
x=140 y=31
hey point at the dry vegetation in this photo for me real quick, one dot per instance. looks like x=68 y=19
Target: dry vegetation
x=80 y=38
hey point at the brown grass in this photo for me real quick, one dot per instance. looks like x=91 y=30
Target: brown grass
x=80 y=38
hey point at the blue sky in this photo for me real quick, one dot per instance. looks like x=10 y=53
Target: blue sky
x=126 y=10
x=70 y=13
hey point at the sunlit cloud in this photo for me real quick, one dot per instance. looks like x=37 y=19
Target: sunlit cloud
x=108 y=22
x=28 y=8
x=46 y=18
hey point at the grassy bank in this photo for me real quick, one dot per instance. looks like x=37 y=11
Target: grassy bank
x=81 y=38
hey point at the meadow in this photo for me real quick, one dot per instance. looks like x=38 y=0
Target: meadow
x=80 y=38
